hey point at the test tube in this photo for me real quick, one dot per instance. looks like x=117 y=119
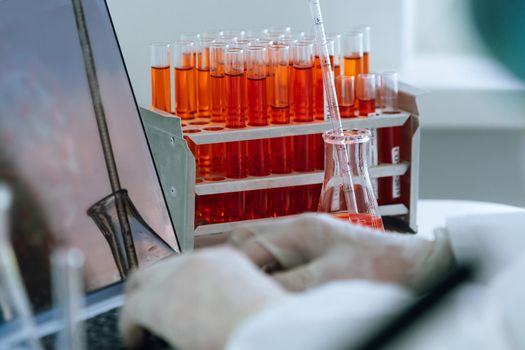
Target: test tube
x=185 y=85
x=389 y=141
x=366 y=94
x=303 y=81
x=336 y=37
x=256 y=72
x=366 y=47
x=345 y=89
x=281 y=147
x=303 y=99
x=217 y=103
x=237 y=151
x=234 y=87
x=203 y=77
x=319 y=96
x=231 y=36
x=389 y=92
x=353 y=53
x=160 y=76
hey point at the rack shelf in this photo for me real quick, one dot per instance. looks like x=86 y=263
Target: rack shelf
x=293 y=179
x=385 y=210
x=216 y=132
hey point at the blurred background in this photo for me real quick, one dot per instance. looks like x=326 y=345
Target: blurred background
x=473 y=119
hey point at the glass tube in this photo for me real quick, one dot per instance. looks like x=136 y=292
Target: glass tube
x=303 y=64
x=217 y=50
x=353 y=53
x=389 y=92
x=234 y=87
x=203 y=77
x=319 y=95
x=256 y=72
x=185 y=84
x=160 y=76
x=336 y=37
x=366 y=47
x=366 y=94
x=345 y=89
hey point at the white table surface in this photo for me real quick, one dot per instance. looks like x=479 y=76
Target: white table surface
x=432 y=213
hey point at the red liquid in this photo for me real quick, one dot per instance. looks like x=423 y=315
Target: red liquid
x=388 y=146
x=319 y=88
x=366 y=63
x=281 y=155
x=347 y=111
x=218 y=153
x=184 y=92
x=291 y=86
x=367 y=107
x=280 y=199
x=314 y=194
x=193 y=92
x=236 y=159
x=204 y=160
x=259 y=157
x=235 y=206
x=319 y=152
x=161 y=88
x=304 y=152
x=337 y=71
x=203 y=87
x=216 y=94
x=257 y=102
x=234 y=97
x=361 y=219
x=303 y=199
x=280 y=115
x=303 y=97
x=257 y=204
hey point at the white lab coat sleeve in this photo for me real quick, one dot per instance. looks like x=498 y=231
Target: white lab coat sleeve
x=328 y=317
x=495 y=241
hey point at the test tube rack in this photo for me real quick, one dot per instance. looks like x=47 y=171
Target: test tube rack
x=176 y=166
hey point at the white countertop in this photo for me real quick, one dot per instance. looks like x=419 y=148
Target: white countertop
x=432 y=213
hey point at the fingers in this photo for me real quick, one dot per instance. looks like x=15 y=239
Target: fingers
x=132 y=333
x=300 y=278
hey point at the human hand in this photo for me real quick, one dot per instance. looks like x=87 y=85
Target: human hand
x=313 y=249
x=195 y=301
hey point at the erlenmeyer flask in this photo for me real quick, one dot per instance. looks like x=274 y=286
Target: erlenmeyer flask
x=148 y=245
x=332 y=199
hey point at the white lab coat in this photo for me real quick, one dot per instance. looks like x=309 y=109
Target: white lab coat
x=489 y=314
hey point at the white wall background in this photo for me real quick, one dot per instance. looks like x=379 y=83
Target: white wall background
x=473 y=123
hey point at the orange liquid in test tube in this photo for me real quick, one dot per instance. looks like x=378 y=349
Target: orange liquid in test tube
x=184 y=88
x=185 y=79
x=204 y=92
x=216 y=95
x=160 y=76
x=303 y=94
x=353 y=66
x=234 y=100
x=366 y=62
x=160 y=88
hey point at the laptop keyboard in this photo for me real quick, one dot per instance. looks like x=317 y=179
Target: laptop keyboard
x=102 y=333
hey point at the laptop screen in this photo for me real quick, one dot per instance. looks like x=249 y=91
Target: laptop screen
x=50 y=149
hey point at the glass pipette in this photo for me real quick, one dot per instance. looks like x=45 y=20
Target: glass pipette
x=333 y=106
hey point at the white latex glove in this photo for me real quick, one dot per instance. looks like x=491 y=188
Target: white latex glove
x=195 y=301
x=315 y=248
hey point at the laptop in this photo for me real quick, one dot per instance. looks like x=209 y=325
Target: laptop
x=51 y=157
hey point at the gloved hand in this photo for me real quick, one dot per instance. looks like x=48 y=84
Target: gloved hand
x=195 y=301
x=313 y=249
